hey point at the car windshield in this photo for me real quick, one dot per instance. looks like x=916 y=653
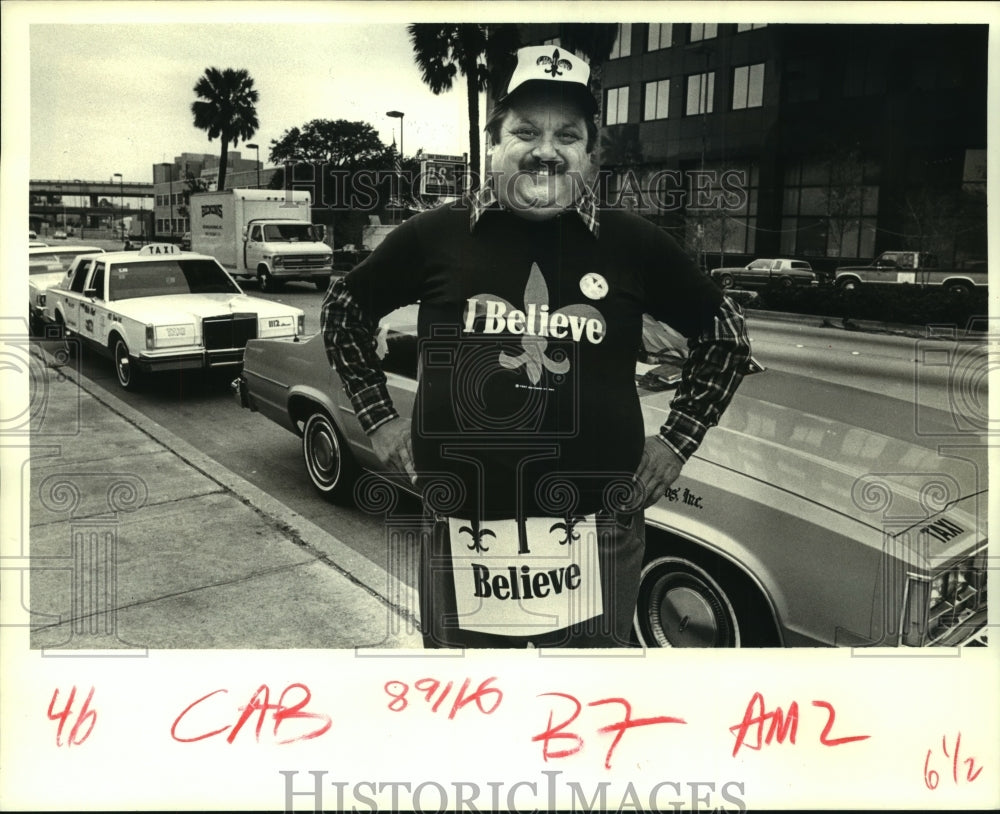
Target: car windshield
x=159 y=277
x=287 y=232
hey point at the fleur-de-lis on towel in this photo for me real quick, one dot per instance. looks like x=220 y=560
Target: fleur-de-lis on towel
x=555 y=63
x=534 y=358
x=476 y=532
x=570 y=528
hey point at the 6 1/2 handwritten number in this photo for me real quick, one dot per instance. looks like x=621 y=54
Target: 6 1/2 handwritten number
x=932 y=778
x=85 y=716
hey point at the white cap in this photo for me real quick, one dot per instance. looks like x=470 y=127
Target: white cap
x=551 y=64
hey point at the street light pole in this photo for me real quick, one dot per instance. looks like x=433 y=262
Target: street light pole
x=257 y=151
x=121 y=199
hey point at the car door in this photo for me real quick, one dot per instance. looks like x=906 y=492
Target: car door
x=254 y=249
x=73 y=295
x=93 y=305
x=757 y=272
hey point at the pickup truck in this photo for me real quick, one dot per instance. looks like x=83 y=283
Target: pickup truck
x=763 y=271
x=919 y=268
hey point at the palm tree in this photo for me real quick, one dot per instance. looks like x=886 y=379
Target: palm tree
x=443 y=50
x=226 y=108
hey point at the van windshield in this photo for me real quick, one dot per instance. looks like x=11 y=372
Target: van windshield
x=287 y=232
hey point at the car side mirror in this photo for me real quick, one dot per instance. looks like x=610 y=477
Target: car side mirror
x=319 y=230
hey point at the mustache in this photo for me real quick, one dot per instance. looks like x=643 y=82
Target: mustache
x=534 y=165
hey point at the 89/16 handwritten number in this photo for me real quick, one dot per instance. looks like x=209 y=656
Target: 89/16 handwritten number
x=82 y=726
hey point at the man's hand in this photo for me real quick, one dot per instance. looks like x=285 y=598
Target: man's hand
x=394 y=448
x=659 y=468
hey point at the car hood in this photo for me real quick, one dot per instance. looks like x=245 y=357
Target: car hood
x=43 y=282
x=198 y=306
x=851 y=451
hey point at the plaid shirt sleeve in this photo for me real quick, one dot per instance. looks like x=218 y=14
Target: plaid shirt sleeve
x=350 y=338
x=717 y=362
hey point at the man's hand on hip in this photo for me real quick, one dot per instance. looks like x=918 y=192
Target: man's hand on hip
x=659 y=468
x=394 y=447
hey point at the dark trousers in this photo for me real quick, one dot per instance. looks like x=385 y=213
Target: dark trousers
x=621 y=544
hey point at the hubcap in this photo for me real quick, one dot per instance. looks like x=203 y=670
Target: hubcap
x=324 y=454
x=681 y=606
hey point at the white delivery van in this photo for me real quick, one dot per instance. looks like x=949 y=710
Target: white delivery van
x=266 y=234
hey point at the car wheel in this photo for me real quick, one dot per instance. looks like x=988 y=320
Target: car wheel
x=785 y=282
x=125 y=369
x=266 y=280
x=726 y=281
x=681 y=605
x=848 y=284
x=958 y=290
x=329 y=463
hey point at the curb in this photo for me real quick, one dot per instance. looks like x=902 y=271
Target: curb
x=379 y=583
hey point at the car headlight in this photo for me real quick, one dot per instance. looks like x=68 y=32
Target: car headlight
x=941 y=606
x=327 y=258
x=279 y=261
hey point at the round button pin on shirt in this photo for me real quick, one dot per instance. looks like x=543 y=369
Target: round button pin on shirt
x=594 y=286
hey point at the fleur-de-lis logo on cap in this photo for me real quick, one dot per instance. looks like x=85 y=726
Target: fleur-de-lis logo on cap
x=555 y=63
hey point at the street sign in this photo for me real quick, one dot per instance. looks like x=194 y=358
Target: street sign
x=442 y=175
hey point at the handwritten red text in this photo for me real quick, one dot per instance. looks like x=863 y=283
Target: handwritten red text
x=260 y=705
x=576 y=742
x=85 y=718
x=966 y=774
x=763 y=727
x=485 y=697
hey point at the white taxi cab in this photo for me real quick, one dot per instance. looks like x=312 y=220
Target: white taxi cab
x=47 y=265
x=163 y=309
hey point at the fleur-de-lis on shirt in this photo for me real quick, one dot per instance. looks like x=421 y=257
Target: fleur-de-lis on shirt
x=570 y=528
x=476 y=532
x=555 y=63
x=534 y=359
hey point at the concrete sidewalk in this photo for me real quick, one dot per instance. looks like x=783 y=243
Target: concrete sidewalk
x=138 y=540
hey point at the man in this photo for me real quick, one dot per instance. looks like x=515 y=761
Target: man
x=527 y=439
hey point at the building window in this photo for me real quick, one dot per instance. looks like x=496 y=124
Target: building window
x=748 y=86
x=740 y=27
x=865 y=76
x=722 y=216
x=616 y=106
x=704 y=31
x=700 y=91
x=657 y=98
x=660 y=36
x=829 y=207
x=623 y=42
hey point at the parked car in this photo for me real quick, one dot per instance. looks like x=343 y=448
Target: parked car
x=37 y=244
x=59 y=234
x=776 y=533
x=765 y=271
x=47 y=265
x=161 y=309
x=186 y=241
x=914 y=268
x=32 y=234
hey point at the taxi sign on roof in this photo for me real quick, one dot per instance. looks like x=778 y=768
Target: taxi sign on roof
x=160 y=248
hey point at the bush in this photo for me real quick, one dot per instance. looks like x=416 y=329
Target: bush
x=907 y=304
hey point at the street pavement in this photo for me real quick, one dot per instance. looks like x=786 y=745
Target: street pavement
x=138 y=540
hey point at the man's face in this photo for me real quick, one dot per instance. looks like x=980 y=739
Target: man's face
x=541 y=163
